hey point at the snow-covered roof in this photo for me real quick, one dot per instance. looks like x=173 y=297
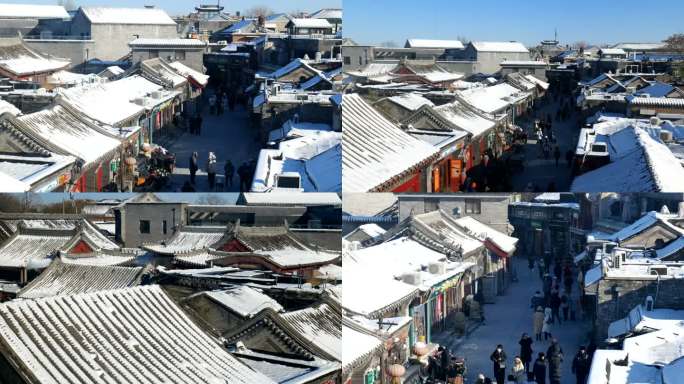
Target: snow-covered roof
x=111 y=71
x=411 y=101
x=639 y=46
x=320 y=326
x=243 y=300
x=31 y=249
x=523 y=63
x=311 y=23
x=430 y=43
x=612 y=51
x=70 y=279
x=374 y=150
x=466 y=118
x=316 y=157
x=186 y=71
x=68 y=134
x=639 y=164
x=120 y=96
x=188 y=239
x=20 y=60
x=32 y=11
x=491 y=99
x=671 y=248
x=357 y=345
x=6 y=107
x=643 y=223
x=483 y=232
x=105 y=15
x=171 y=42
x=141 y=327
x=159 y=71
x=292 y=199
x=291 y=129
x=394 y=259
x=374 y=69
x=369 y=294
x=499 y=46
x=70 y=78
x=639 y=320
x=657 y=101
x=327 y=13
x=542 y=84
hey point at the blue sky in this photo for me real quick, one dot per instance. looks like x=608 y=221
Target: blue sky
x=528 y=21
x=180 y=7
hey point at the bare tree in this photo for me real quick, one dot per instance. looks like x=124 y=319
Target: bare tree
x=463 y=39
x=259 y=10
x=675 y=42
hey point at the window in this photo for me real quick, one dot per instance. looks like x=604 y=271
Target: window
x=472 y=206
x=360 y=61
x=180 y=55
x=164 y=227
x=144 y=226
x=154 y=54
x=347 y=60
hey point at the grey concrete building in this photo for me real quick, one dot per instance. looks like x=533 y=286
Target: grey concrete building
x=147 y=219
x=488 y=208
x=490 y=54
x=528 y=67
x=112 y=29
x=190 y=52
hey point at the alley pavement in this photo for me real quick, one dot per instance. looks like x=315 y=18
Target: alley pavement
x=229 y=136
x=505 y=322
x=541 y=171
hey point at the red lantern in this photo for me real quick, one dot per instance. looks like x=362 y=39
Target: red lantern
x=396 y=370
x=420 y=349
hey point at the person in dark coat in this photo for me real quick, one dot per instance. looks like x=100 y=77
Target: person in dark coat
x=444 y=360
x=539 y=369
x=556 y=154
x=498 y=357
x=580 y=365
x=526 y=351
x=555 y=357
x=555 y=306
x=194 y=166
x=229 y=170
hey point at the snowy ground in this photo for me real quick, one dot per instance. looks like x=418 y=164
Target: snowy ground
x=507 y=319
x=542 y=171
x=229 y=136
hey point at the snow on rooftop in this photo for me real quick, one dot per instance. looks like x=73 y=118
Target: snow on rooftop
x=411 y=101
x=6 y=107
x=366 y=293
x=120 y=96
x=188 y=239
x=292 y=129
x=311 y=23
x=327 y=13
x=357 y=345
x=374 y=149
x=430 y=43
x=466 y=118
x=33 y=11
x=186 y=71
x=70 y=78
x=482 y=231
x=22 y=61
x=66 y=131
x=612 y=51
x=69 y=279
x=141 y=327
x=320 y=326
x=640 y=320
x=105 y=15
x=499 y=46
x=243 y=300
x=491 y=99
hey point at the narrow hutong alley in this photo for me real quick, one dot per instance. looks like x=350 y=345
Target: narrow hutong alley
x=541 y=171
x=228 y=136
x=506 y=321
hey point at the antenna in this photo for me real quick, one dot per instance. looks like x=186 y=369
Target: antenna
x=555 y=34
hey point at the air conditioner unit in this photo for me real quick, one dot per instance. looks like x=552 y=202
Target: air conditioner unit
x=437 y=268
x=412 y=278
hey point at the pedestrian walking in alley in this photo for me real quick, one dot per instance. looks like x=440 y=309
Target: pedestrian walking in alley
x=243 y=175
x=194 y=166
x=548 y=321
x=211 y=170
x=569 y=154
x=229 y=171
x=212 y=104
x=555 y=306
x=498 y=357
x=567 y=278
x=556 y=154
x=565 y=306
x=557 y=270
x=444 y=361
x=555 y=357
x=540 y=369
x=526 y=350
x=580 y=365
x=518 y=371
x=456 y=371
x=536 y=300
x=538 y=323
